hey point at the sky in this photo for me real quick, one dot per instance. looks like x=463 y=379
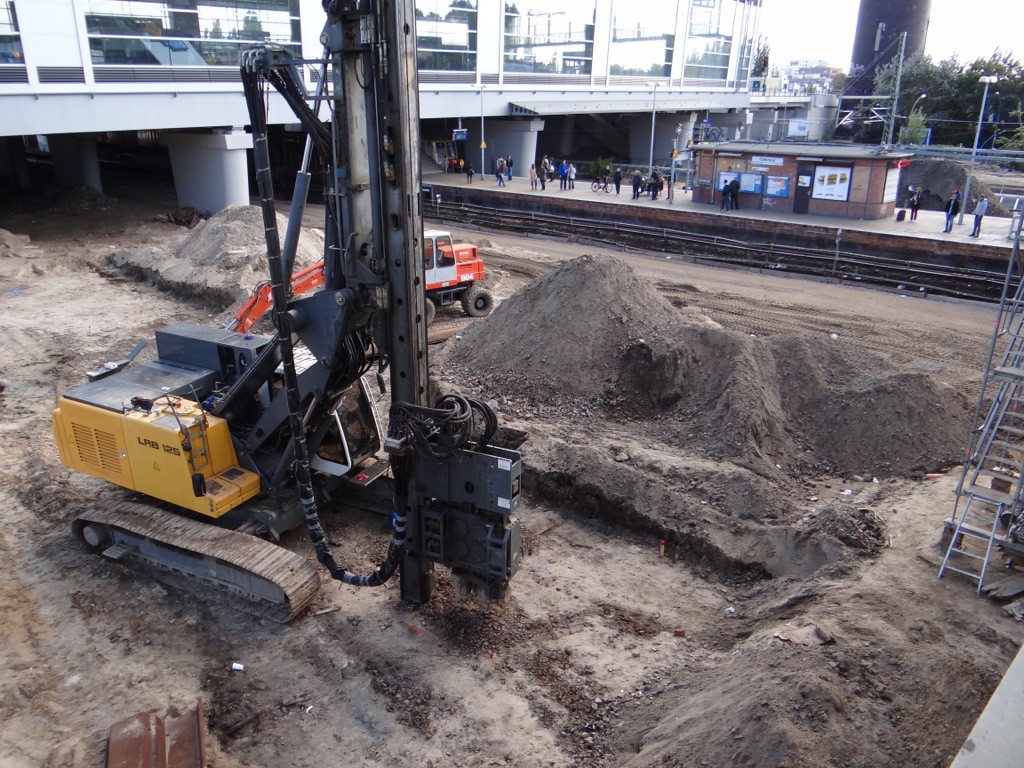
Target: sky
x=824 y=29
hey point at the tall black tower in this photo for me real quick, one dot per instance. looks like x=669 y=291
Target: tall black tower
x=879 y=26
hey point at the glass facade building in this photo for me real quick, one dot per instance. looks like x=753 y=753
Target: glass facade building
x=549 y=37
x=716 y=29
x=10 y=40
x=187 y=32
x=446 y=35
x=580 y=42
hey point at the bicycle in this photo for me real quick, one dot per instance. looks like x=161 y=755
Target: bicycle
x=601 y=185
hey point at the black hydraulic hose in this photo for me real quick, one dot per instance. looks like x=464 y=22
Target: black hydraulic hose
x=283 y=322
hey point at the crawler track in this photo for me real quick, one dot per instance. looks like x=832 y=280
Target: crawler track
x=986 y=285
x=255 y=575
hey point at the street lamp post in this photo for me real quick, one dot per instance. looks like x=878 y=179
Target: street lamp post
x=483 y=141
x=987 y=80
x=675 y=154
x=654 y=117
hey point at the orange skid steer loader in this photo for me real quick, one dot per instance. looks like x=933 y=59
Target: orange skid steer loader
x=453 y=272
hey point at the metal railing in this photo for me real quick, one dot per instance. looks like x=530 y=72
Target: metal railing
x=964 y=153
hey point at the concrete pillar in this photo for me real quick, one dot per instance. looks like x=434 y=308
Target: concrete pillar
x=567 y=141
x=506 y=137
x=664 y=132
x=14 y=170
x=210 y=169
x=76 y=162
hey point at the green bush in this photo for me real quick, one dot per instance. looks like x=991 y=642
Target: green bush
x=597 y=167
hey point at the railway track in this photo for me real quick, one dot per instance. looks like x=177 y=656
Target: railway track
x=894 y=273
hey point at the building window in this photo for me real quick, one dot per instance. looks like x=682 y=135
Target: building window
x=717 y=29
x=187 y=32
x=10 y=39
x=446 y=35
x=549 y=36
x=643 y=38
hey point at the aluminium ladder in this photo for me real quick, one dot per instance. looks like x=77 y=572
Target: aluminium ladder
x=990 y=491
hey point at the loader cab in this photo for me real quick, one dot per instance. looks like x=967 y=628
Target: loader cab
x=438 y=257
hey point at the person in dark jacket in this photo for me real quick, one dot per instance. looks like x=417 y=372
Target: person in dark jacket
x=617 y=178
x=734 y=194
x=638 y=182
x=915 y=203
x=952 y=209
x=726 y=197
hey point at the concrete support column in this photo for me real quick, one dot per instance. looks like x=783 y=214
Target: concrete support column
x=210 y=169
x=567 y=141
x=508 y=137
x=664 y=133
x=76 y=162
x=14 y=171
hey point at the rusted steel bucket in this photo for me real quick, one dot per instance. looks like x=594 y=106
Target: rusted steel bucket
x=146 y=740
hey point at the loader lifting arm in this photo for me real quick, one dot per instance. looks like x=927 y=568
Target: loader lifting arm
x=261 y=300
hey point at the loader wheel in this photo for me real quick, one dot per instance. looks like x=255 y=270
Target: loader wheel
x=430 y=309
x=476 y=302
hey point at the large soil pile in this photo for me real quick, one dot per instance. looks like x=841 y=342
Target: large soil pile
x=592 y=335
x=220 y=261
x=938 y=178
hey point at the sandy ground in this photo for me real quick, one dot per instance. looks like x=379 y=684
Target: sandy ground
x=606 y=653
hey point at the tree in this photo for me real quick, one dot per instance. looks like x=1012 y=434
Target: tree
x=761 y=59
x=216 y=33
x=915 y=131
x=954 y=95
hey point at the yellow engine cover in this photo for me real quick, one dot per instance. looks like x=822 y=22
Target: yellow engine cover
x=156 y=453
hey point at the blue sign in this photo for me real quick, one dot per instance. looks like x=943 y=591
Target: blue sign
x=460 y=134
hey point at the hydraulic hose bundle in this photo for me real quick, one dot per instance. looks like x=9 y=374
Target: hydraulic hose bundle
x=447 y=429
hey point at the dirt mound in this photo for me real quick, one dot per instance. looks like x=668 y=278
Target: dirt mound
x=12 y=244
x=220 y=261
x=599 y=337
x=84 y=200
x=938 y=178
x=567 y=333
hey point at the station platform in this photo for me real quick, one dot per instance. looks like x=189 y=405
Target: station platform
x=924 y=235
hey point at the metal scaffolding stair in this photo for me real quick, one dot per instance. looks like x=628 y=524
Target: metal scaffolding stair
x=989 y=494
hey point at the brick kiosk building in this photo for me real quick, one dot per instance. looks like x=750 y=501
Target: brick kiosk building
x=855 y=181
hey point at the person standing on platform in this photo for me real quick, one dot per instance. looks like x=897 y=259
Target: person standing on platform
x=563 y=175
x=508 y=163
x=617 y=178
x=726 y=197
x=637 y=183
x=952 y=209
x=915 y=203
x=502 y=170
x=469 y=173
x=533 y=175
x=979 y=213
x=734 y=194
x=572 y=175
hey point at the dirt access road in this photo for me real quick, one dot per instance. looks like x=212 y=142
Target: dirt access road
x=702 y=428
